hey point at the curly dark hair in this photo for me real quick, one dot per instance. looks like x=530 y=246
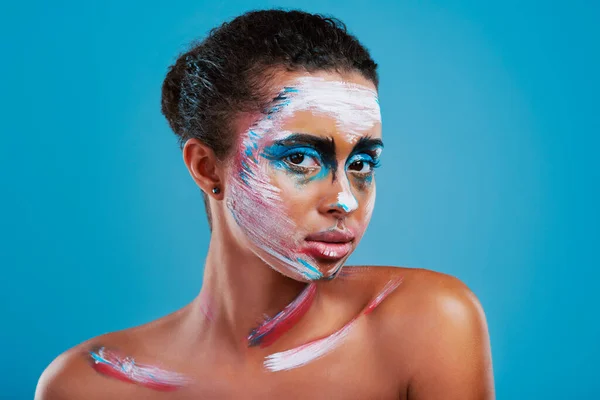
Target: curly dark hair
x=228 y=72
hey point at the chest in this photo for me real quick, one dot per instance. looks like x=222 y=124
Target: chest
x=352 y=371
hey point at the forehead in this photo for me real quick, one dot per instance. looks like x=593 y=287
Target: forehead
x=350 y=106
x=321 y=105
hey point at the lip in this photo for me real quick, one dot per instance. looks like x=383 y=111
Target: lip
x=329 y=245
x=331 y=236
x=327 y=251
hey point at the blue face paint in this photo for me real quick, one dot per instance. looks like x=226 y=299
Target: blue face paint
x=365 y=155
x=348 y=204
x=245 y=173
x=280 y=101
x=360 y=165
x=313 y=273
x=282 y=156
x=318 y=151
x=357 y=163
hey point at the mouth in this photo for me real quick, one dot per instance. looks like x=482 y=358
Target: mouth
x=331 y=245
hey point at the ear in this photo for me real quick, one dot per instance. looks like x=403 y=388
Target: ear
x=204 y=167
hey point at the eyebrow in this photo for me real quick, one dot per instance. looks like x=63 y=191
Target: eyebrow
x=367 y=143
x=325 y=145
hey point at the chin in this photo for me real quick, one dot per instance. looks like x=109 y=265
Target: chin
x=331 y=268
x=304 y=266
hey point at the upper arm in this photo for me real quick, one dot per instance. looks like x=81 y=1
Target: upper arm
x=453 y=360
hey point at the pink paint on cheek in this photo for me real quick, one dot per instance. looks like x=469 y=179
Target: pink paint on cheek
x=258 y=210
x=256 y=206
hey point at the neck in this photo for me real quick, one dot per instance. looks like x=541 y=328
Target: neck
x=238 y=290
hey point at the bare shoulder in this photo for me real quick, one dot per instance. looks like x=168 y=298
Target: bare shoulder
x=426 y=303
x=433 y=329
x=424 y=292
x=71 y=375
x=437 y=293
x=420 y=286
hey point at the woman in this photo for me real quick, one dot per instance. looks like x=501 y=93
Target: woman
x=278 y=117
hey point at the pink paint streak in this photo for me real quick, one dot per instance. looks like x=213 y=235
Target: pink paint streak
x=274 y=328
x=111 y=364
x=315 y=349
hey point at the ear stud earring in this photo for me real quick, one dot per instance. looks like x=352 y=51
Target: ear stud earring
x=216 y=190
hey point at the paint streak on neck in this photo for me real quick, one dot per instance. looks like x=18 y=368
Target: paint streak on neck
x=272 y=329
x=315 y=349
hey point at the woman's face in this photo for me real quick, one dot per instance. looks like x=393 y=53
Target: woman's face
x=301 y=188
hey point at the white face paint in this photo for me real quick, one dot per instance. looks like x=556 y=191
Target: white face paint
x=262 y=204
x=347 y=201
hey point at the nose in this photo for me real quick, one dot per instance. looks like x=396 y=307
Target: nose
x=339 y=200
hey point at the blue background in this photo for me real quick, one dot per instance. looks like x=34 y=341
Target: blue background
x=490 y=173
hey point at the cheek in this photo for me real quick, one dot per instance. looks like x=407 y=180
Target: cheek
x=363 y=186
x=295 y=192
x=365 y=195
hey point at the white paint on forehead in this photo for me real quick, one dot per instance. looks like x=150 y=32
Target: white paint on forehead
x=354 y=107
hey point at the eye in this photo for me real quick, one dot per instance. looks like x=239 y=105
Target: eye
x=362 y=166
x=302 y=160
x=296 y=158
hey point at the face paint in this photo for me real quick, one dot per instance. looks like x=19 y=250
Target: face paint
x=126 y=369
x=266 y=150
x=311 y=351
x=273 y=328
x=346 y=201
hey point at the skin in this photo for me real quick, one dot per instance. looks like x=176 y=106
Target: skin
x=288 y=159
x=427 y=340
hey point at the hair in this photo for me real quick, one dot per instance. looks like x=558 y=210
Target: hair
x=228 y=72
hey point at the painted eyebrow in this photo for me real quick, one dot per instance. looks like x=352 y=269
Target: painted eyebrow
x=325 y=146
x=366 y=143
